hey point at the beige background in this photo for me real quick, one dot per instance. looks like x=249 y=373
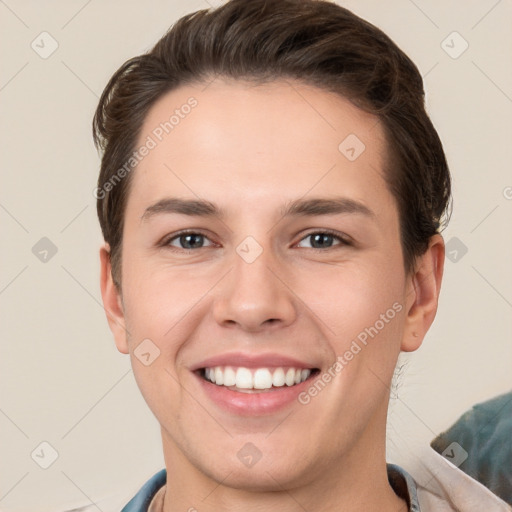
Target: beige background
x=62 y=379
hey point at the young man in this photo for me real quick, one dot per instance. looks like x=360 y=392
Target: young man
x=271 y=193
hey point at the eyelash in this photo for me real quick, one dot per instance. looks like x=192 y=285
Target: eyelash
x=343 y=239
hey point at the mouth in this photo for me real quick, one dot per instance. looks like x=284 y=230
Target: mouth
x=256 y=380
x=254 y=384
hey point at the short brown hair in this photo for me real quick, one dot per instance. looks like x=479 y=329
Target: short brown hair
x=314 y=41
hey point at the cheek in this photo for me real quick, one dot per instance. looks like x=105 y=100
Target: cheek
x=163 y=307
x=356 y=301
x=364 y=313
x=158 y=298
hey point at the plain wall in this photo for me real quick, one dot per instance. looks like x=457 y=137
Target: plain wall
x=63 y=380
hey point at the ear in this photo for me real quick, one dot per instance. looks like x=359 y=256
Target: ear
x=423 y=287
x=112 y=301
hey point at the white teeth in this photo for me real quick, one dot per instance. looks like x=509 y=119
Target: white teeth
x=290 y=377
x=243 y=378
x=278 y=378
x=229 y=376
x=219 y=376
x=304 y=374
x=260 y=378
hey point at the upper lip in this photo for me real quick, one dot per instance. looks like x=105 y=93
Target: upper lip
x=240 y=359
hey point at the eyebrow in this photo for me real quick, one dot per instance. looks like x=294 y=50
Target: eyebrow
x=325 y=206
x=192 y=207
x=299 y=207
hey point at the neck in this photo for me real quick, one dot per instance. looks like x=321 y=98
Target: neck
x=354 y=482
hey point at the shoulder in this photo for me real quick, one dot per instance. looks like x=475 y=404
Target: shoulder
x=141 y=501
x=482 y=435
x=441 y=487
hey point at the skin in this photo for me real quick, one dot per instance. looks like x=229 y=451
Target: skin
x=250 y=150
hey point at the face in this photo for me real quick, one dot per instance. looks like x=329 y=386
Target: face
x=261 y=247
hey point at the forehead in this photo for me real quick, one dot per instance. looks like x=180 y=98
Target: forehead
x=280 y=139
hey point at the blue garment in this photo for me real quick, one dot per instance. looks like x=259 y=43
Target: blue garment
x=401 y=482
x=485 y=433
x=140 y=502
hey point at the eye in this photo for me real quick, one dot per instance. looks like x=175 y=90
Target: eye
x=324 y=239
x=187 y=240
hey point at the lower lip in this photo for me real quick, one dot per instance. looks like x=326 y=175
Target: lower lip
x=253 y=404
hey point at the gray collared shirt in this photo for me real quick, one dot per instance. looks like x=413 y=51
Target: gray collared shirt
x=404 y=486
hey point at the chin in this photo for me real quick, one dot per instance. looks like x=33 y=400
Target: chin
x=264 y=476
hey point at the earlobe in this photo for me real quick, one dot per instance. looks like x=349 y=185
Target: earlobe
x=112 y=301
x=423 y=295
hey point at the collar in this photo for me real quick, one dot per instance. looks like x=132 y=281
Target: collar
x=401 y=482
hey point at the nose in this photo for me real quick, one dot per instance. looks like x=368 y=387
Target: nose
x=255 y=296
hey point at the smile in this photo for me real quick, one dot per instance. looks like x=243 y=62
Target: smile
x=251 y=379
